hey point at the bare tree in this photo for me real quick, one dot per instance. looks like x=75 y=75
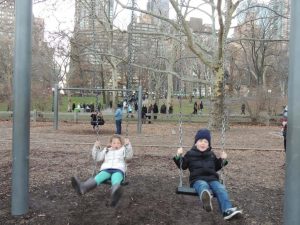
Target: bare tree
x=212 y=58
x=98 y=49
x=256 y=52
x=6 y=70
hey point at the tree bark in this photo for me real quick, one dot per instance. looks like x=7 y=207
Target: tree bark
x=217 y=99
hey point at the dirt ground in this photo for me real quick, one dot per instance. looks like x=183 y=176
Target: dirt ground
x=254 y=177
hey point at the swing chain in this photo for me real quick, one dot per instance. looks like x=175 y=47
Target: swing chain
x=222 y=174
x=225 y=112
x=127 y=119
x=180 y=138
x=180 y=172
x=224 y=117
x=98 y=131
x=180 y=121
x=94 y=172
x=180 y=19
x=130 y=61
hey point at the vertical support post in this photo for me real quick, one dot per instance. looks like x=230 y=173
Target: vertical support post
x=34 y=115
x=292 y=182
x=56 y=106
x=139 y=125
x=52 y=106
x=76 y=116
x=21 y=110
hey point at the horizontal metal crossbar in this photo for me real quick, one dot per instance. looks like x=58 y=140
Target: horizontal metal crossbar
x=93 y=89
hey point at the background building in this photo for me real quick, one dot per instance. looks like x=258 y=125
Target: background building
x=93 y=38
x=159 y=7
x=281 y=23
x=42 y=69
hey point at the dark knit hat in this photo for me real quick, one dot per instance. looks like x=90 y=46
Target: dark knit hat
x=203 y=134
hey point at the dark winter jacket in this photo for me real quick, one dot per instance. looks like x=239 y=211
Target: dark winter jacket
x=155 y=108
x=202 y=165
x=284 y=130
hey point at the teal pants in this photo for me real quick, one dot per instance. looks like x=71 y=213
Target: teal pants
x=116 y=177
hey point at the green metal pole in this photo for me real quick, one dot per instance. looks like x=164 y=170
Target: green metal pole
x=52 y=106
x=292 y=182
x=21 y=110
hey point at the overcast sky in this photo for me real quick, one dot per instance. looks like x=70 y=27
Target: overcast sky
x=59 y=14
x=56 y=13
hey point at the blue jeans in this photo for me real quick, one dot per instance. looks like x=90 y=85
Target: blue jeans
x=217 y=189
x=118 y=126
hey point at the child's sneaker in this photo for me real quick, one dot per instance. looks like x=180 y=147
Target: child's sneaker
x=205 y=198
x=232 y=212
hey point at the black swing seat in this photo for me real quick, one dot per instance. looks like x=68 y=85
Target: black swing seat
x=123 y=183
x=186 y=190
x=183 y=190
x=99 y=121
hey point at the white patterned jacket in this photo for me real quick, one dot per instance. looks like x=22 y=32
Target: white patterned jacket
x=113 y=159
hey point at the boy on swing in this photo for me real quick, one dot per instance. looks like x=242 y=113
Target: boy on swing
x=114 y=158
x=203 y=165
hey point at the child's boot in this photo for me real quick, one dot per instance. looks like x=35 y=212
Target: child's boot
x=116 y=193
x=83 y=187
x=205 y=198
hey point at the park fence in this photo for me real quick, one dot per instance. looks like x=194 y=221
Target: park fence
x=84 y=117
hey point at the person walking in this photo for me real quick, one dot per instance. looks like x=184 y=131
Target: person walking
x=201 y=106
x=243 y=107
x=195 y=108
x=118 y=118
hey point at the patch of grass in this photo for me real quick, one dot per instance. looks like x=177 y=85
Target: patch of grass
x=187 y=107
x=3 y=106
x=63 y=101
x=46 y=104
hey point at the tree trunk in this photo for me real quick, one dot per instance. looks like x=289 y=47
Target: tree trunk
x=170 y=91
x=114 y=86
x=69 y=101
x=217 y=100
x=102 y=83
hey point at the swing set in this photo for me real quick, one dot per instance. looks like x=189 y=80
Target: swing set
x=128 y=92
x=95 y=166
x=185 y=189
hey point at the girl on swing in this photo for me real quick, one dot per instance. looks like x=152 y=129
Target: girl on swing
x=203 y=165
x=114 y=158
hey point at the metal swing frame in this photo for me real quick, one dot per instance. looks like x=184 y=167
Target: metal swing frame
x=185 y=190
